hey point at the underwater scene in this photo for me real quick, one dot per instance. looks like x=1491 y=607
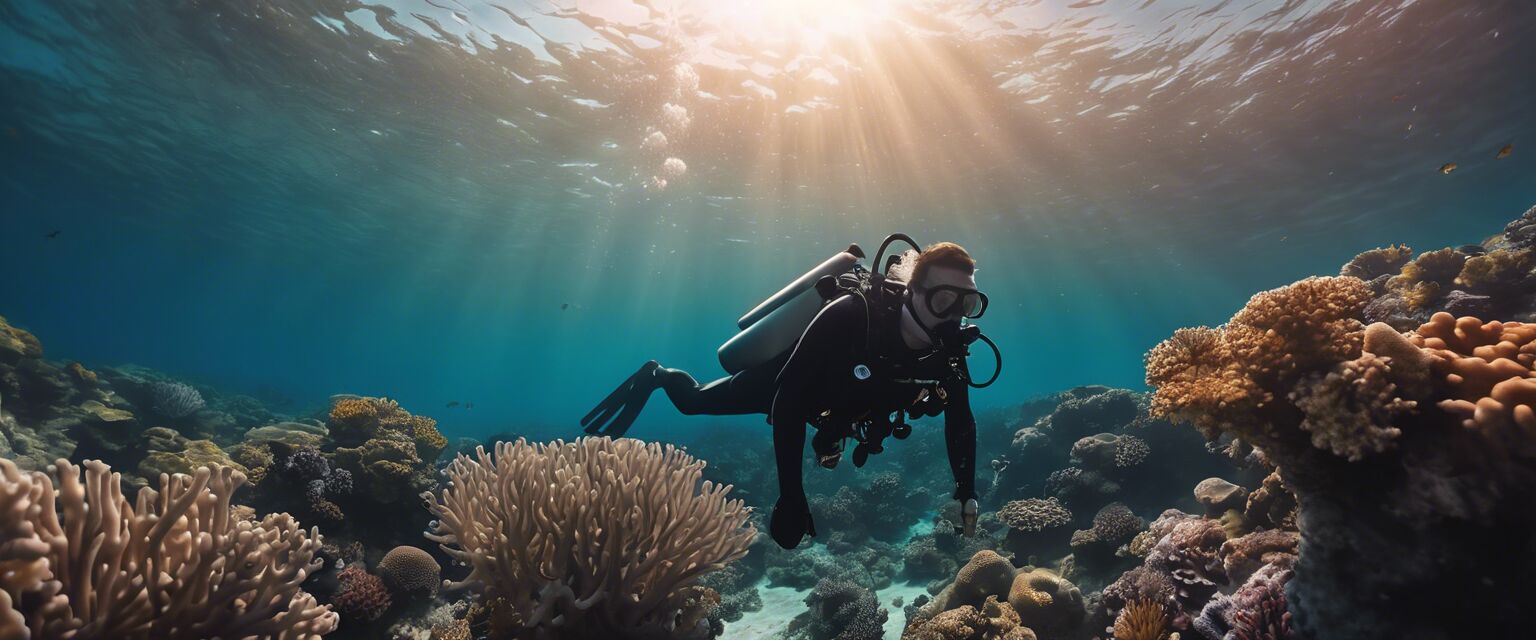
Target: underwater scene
x=767 y=320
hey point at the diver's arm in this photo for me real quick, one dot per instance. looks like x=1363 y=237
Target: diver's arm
x=960 y=436
x=828 y=332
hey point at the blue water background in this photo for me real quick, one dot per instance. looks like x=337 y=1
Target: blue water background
x=271 y=196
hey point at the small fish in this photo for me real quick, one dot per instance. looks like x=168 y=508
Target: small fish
x=1504 y=153
x=54 y=234
x=1399 y=98
x=1447 y=168
x=564 y=306
x=469 y=405
x=453 y=403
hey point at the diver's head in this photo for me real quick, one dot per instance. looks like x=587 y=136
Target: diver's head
x=943 y=289
x=944 y=286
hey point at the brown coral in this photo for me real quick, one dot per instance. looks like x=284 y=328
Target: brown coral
x=409 y=569
x=1378 y=262
x=1045 y=601
x=994 y=620
x=1350 y=409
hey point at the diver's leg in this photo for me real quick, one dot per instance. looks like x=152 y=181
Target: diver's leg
x=748 y=391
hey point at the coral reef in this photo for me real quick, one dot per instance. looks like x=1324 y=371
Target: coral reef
x=994 y=620
x=840 y=610
x=395 y=449
x=560 y=536
x=1394 y=446
x=84 y=562
x=1043 y=601
x=1036 y=527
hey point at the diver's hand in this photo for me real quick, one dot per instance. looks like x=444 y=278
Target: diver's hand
x=790 y=521
x=968 y=513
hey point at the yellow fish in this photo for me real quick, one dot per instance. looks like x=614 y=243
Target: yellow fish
x=1504 y=153
x=1447 y=167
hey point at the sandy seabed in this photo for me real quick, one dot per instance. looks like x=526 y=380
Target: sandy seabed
x=782 y=604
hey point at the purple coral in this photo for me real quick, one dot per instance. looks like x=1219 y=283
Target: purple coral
x=306 y=465
x=1256 y=611
x=175 y=399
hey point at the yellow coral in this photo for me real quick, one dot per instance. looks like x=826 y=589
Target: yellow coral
x=1496 y=271
x=1377 y=262
x=429 y=441
x=1439 y=267
x=82 y=374
x=351 y=411
x=1141 y=620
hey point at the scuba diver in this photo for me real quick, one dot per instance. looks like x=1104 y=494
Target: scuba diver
x=848 y=350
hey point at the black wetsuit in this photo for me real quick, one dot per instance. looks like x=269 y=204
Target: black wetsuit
x=817 y=376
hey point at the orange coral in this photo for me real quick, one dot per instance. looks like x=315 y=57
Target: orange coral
x=1215 y=377
x=1141 y=620
x=1487 y=370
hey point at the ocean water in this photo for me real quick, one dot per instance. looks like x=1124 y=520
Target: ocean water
x=443 y=201
x=495 y=211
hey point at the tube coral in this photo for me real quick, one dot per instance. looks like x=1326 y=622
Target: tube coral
x=81 y=562
x=591 y=538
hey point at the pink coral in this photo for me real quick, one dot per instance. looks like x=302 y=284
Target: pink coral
x=362 y=595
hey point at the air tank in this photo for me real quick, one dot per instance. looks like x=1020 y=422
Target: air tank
x=776 y=323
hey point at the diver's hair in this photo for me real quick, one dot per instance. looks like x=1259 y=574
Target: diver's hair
x=901 y=271
x=942 y=254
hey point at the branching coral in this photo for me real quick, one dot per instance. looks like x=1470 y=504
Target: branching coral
x=176 y=563
x=1393 y=445
x=588 y=537
x=1350 y=409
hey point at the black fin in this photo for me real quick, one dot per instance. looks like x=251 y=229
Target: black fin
x=626 y=401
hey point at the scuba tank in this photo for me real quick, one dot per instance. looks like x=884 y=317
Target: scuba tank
x=775 y=324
